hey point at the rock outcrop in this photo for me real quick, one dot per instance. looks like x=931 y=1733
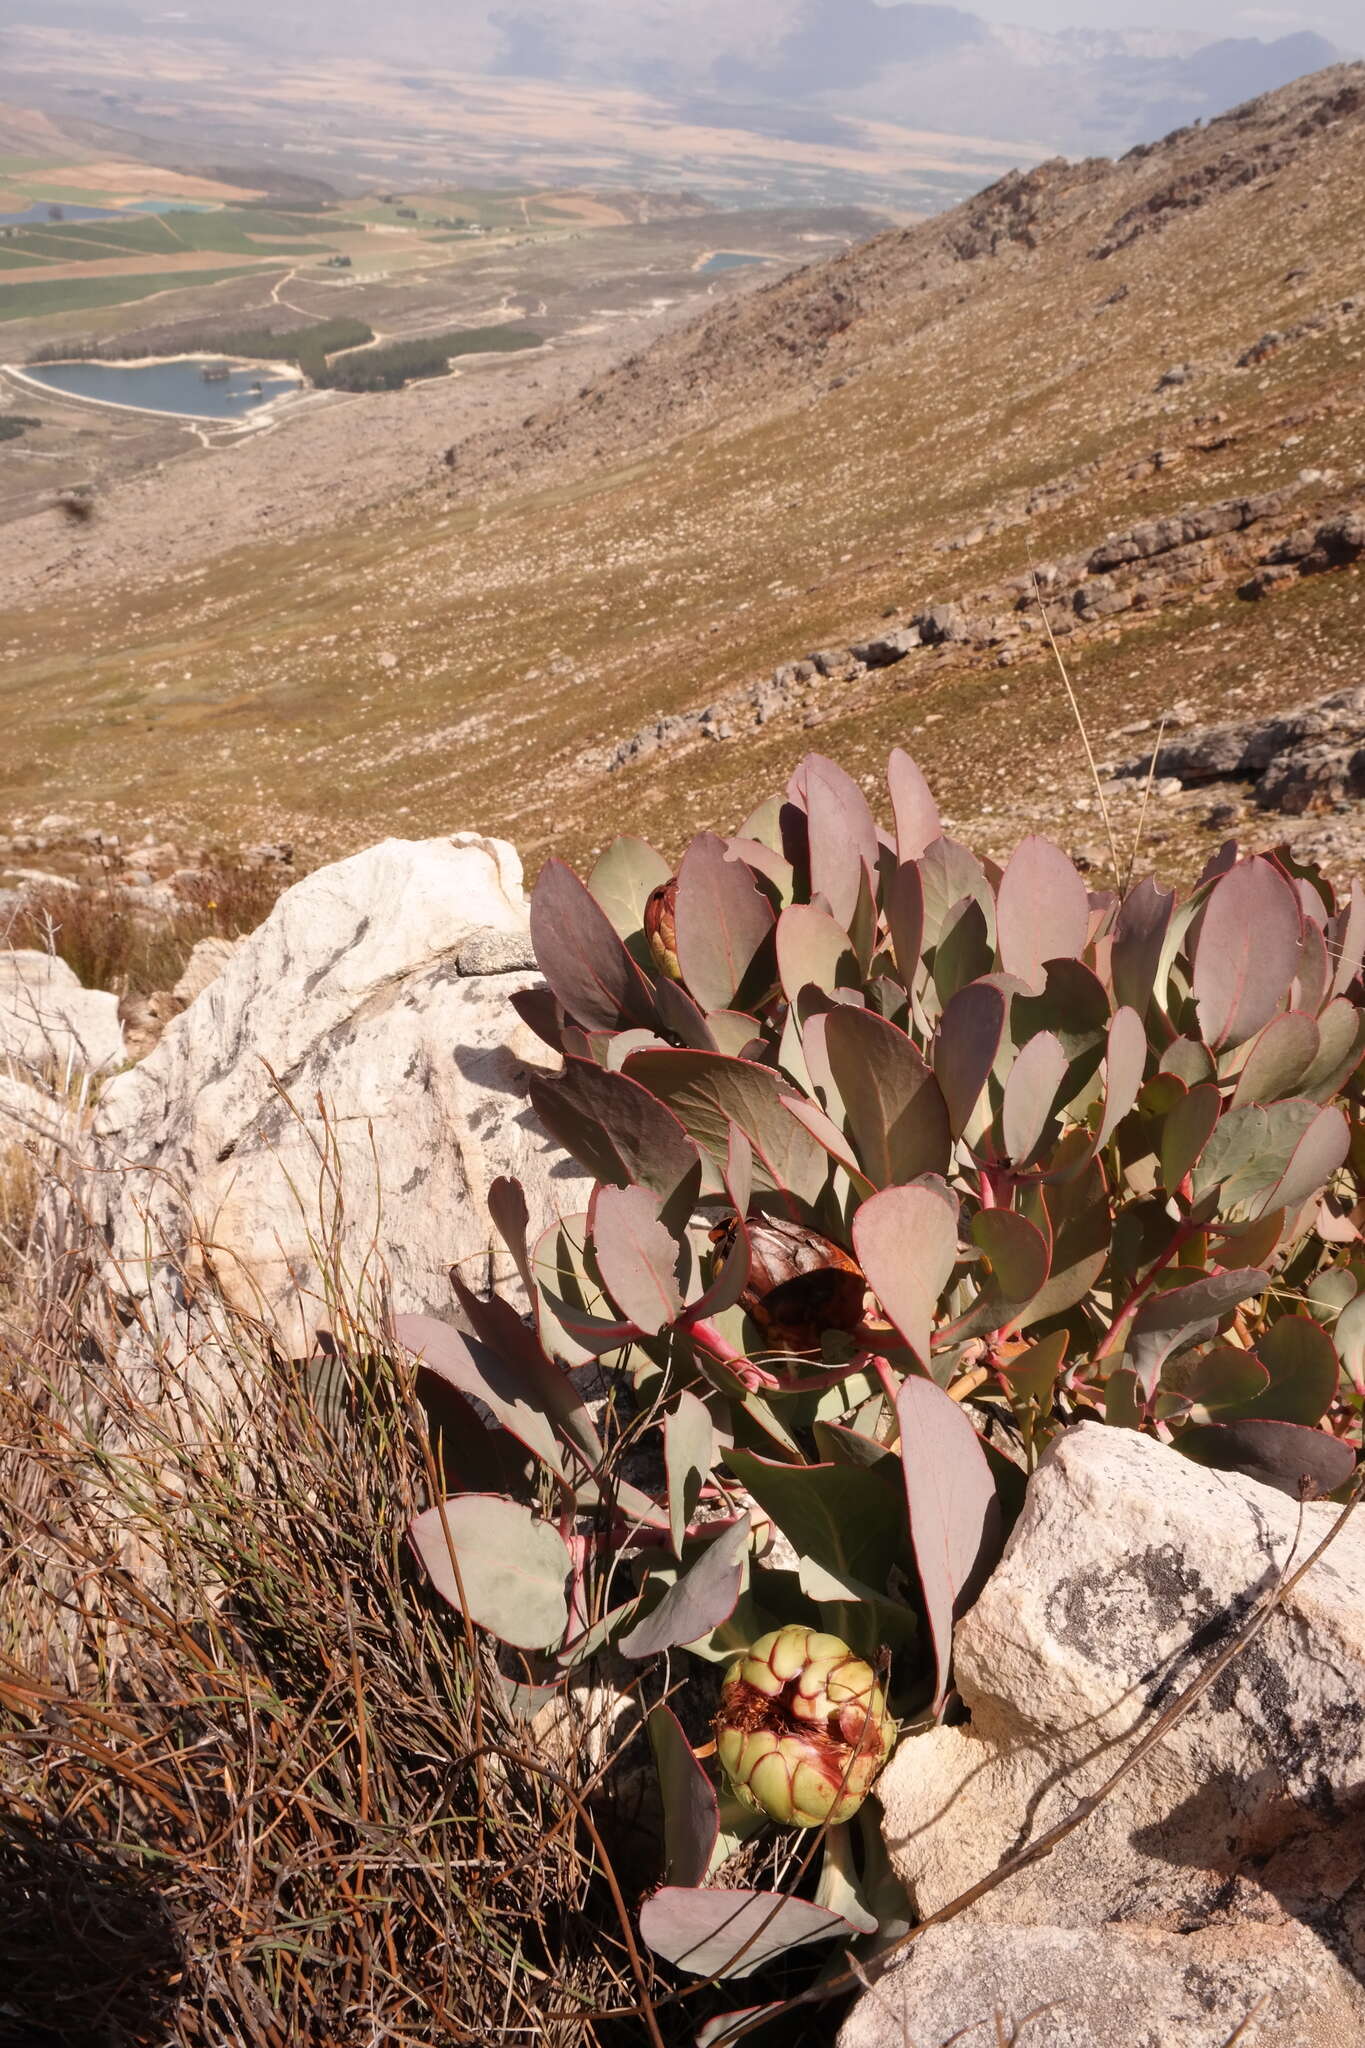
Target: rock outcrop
x=330 y=1110
x=1242 y=541
x=1308 y=759
x=1223 y=1875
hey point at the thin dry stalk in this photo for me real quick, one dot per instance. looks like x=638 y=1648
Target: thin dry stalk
x=1080 y=727
x=1142 y=814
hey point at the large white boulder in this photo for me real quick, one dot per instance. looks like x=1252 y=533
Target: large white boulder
x=325 y=1119
x=1228 y=1867
x=49 y=1023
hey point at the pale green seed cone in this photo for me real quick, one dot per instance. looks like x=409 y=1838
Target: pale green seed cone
x=803 y=1728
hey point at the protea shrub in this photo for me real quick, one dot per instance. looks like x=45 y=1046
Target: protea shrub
x=903 y=1162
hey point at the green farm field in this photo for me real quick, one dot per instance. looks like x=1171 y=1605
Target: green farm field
x=34 y=299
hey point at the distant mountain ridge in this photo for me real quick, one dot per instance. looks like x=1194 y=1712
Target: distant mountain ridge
x=921 y=66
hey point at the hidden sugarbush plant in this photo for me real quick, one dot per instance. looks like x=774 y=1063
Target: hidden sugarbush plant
x=902 y=1163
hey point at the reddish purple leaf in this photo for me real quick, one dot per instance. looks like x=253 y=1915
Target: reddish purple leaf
x=1279 y=1059
x=1220 y=863
x=680 y=1017
x=1016 y=1265
x=813 y=949
x=906 y=1242
x=691 y=1809
x=734 y=1032
x=1043 y=911
x=843 y=834
x=1190 y=1061
x=1185 y=1131
x=1247 y=952
x=579 y=953
x=724 y=926
x=1316 y=1157
x=513 y=1568
x=1301 y=1361
x=708 y=1093
x=1125 y=1065
x=966 y=1046
x=905 y=917
x=1313 y=976
x=636 y=1256
x=519 y=1401
x=540 y=1013
x=1219 y=1379
x=1346 y=940
x=1139 y=935
x=1341 y=1038
x=950 y=872
x=623 y=877
x=738 y=1169
x=715 y=1933
x=1170 y=1318
x=916 y=813
x=895 y=1110
x=765 y=861
x=1031 y=1089
x=1279 y=1454
x=689 y=1454
x=827 y=1133
x=615 y=1128
x=956 y=1526
x=699 y=1601
x=1075 y=1210
x=499 y=1326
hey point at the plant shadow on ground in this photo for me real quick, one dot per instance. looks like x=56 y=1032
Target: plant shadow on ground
x=88 y=1950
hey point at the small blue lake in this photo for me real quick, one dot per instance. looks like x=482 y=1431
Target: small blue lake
x=729 y=259
x=177 y=387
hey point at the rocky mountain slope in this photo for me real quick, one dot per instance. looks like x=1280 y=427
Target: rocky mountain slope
x=1083 y=354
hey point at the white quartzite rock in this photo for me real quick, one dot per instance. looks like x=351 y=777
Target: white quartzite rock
x=30 y=1118
x=1229 y=1867
x=215 y=1152
x=207 y=960
x=48 y=1021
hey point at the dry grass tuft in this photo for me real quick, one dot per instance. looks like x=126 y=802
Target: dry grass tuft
x=109 y=943
x=18 y=1202
x=257 y=1788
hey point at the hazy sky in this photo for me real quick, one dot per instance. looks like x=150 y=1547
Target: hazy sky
x=1343 y=21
